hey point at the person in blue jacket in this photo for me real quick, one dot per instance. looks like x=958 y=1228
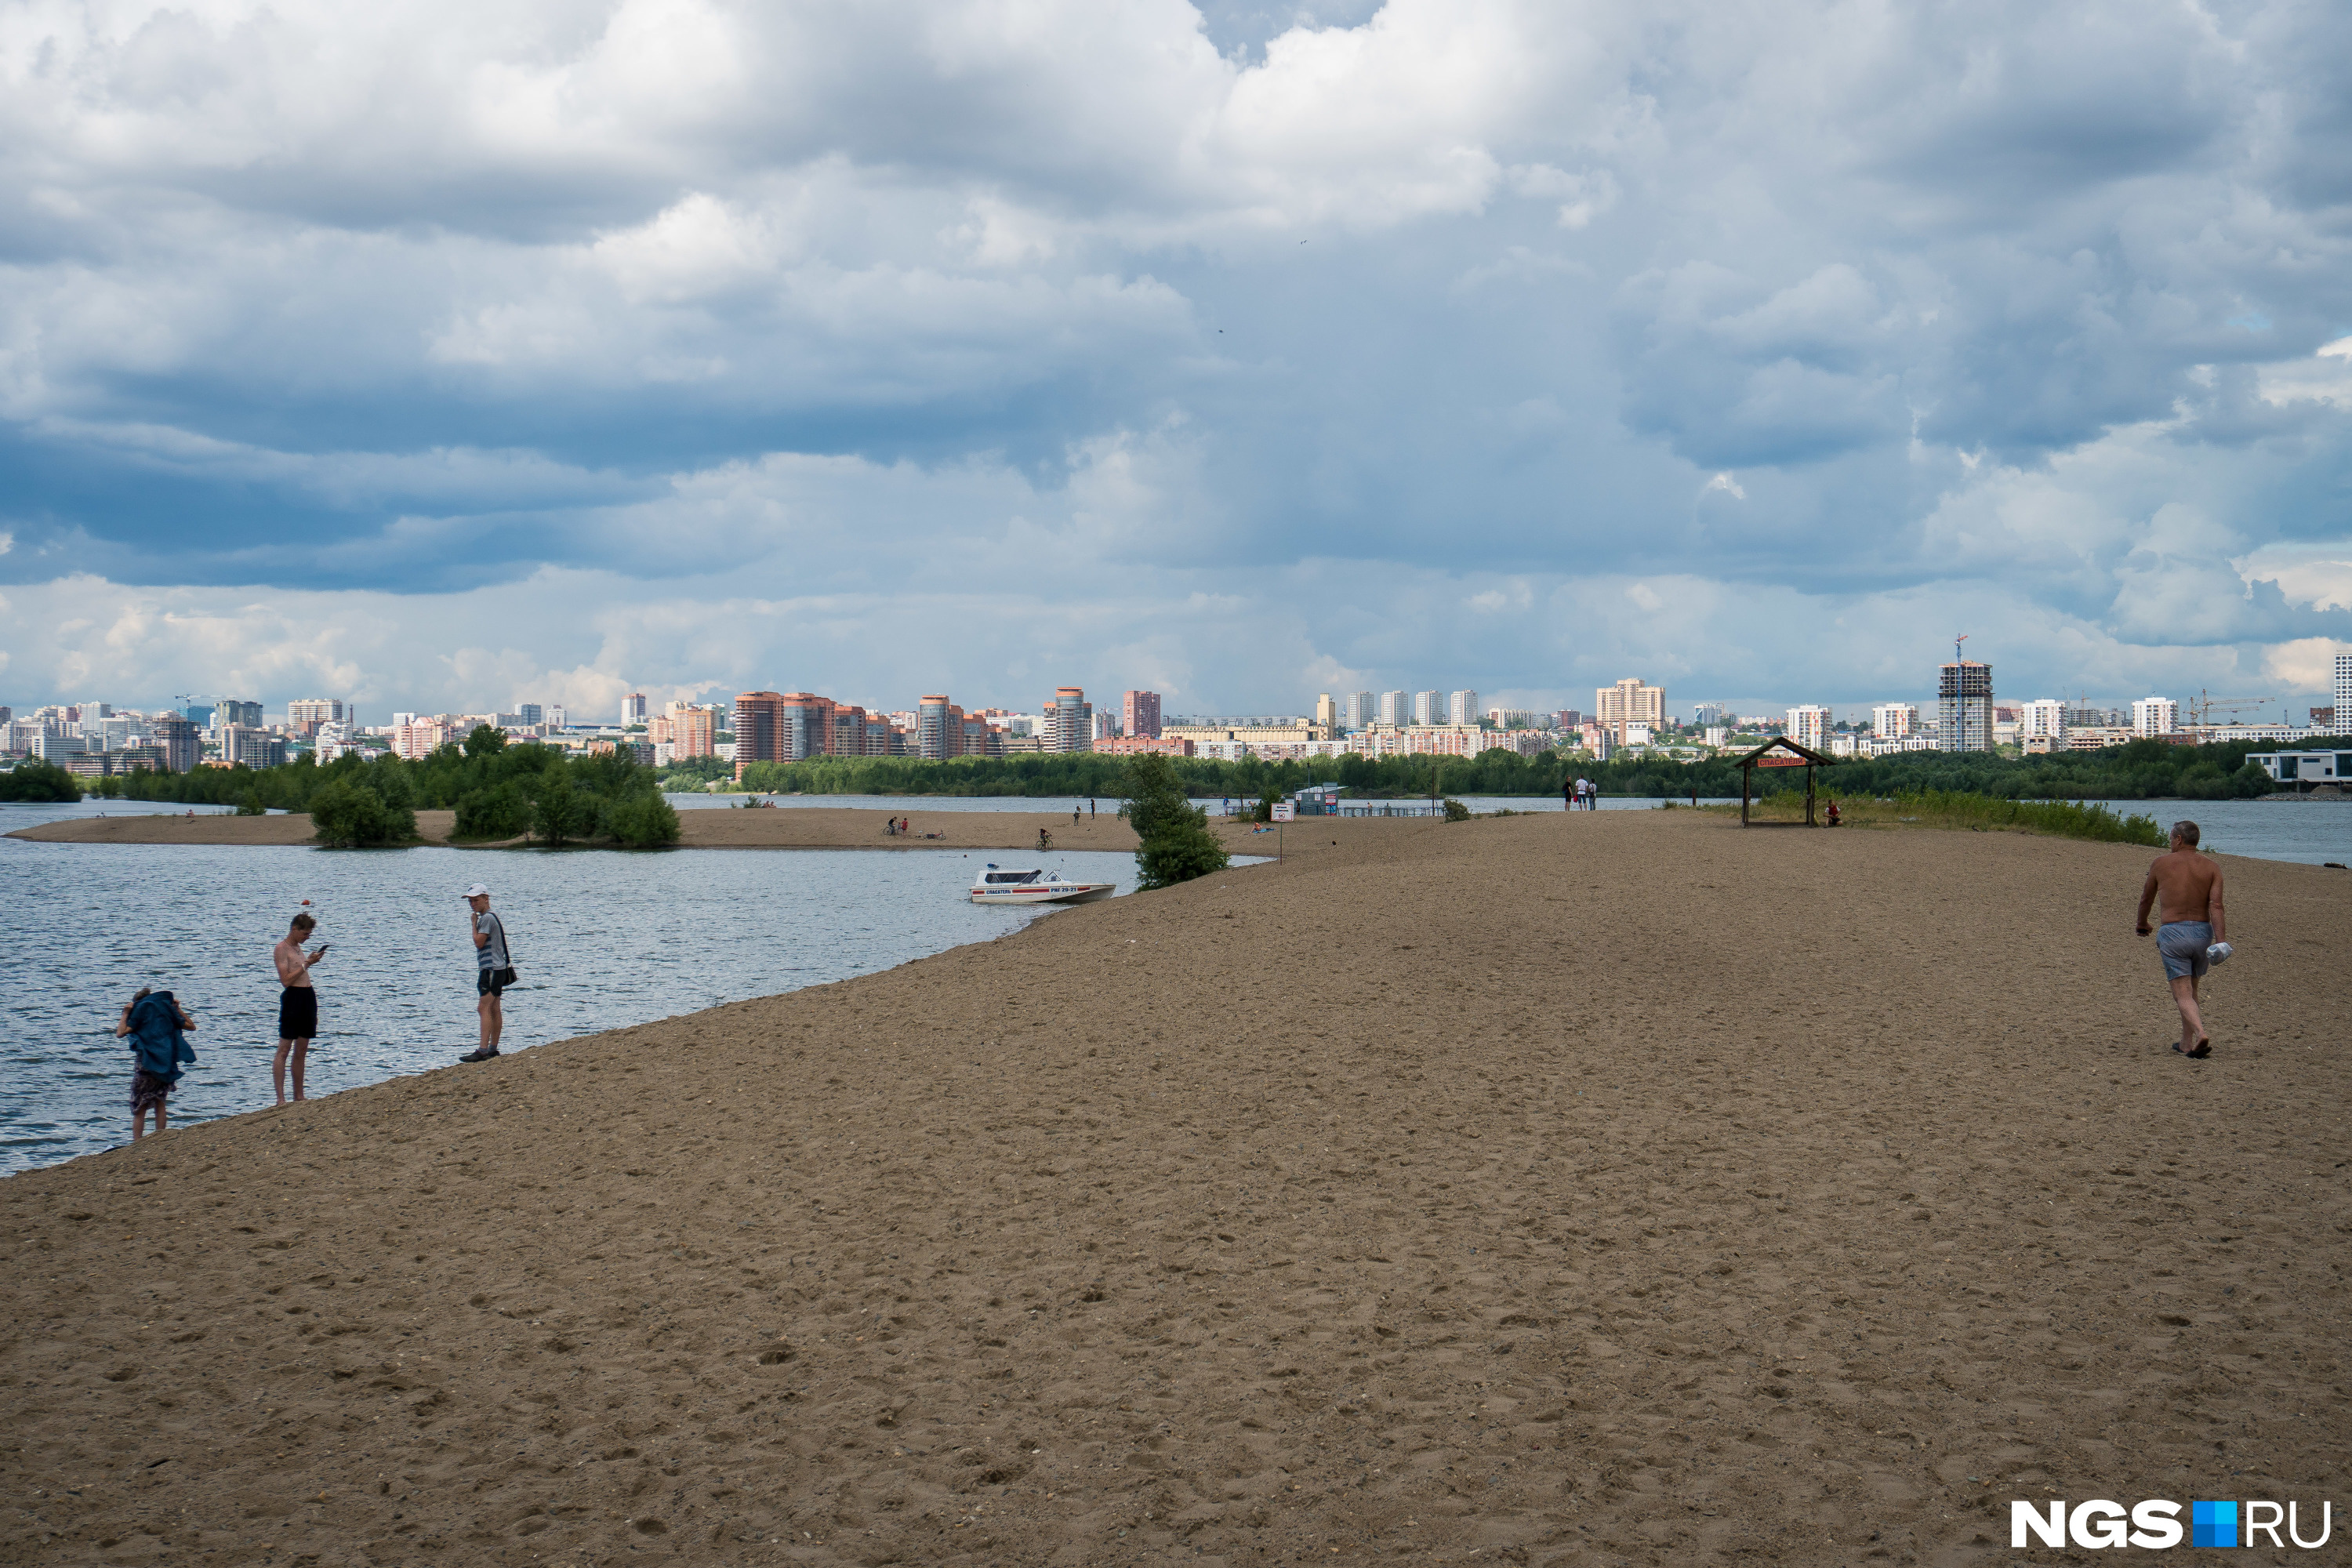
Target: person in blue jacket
x=154 y=1019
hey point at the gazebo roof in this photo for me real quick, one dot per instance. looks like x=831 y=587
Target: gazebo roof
x=1782 y=743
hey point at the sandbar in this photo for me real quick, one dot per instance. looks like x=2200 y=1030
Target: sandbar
x=1567 y=1189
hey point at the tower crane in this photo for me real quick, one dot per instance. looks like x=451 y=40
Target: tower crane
x=2202 y=711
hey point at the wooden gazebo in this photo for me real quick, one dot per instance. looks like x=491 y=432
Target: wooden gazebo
x=1781 y=752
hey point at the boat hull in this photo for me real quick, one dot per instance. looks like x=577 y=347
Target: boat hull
x=1049 y=893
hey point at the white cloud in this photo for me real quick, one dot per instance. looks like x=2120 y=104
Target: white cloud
x=2304 y=665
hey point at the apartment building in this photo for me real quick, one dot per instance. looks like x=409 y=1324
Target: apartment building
x=1139 y=713
x=1810 y=724
x=2154 y=716
x=1461 y=708
x=1629 y=701
x=1070 y=721
x=1894 y=721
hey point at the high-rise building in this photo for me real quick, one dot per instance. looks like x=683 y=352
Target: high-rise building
x=1461 y=708
x=633 y=709
x=2154 y=716
x=1073 y=718
x=938 y=729
x=531 y=714
x=1707 y=715
x=1396 y=708
x=1964 y=706
x=1629 y=702
x=313 y=711
x=1359 y=711
x=1140 y=715
x=693 y=727
x=1894 y=721
x=251 y=745
x=199 y=714
x=2341 y=715
x=1428 y=708
x=233 y=711
x=1809 y=725
x=1568 y=719
x=176 y=738
x=2043 y=719
x=1326 y=712
x=760 y=735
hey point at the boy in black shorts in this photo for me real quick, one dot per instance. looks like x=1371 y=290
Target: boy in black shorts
x=297 y=1003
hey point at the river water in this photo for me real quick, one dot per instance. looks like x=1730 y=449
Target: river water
x=601 y=939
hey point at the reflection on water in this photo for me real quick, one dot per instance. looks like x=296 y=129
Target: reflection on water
x=601 y=939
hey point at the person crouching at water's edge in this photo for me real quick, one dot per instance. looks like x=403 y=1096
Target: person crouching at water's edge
x=297 y=1003
x=154 y=1019
x=493 y=972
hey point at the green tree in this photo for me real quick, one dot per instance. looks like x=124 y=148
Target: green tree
x=643 y=821
x=1177 y=845
x=501 y=811
x=485 y=741
x=345 y=816
x=560 y=816
x=39 y=781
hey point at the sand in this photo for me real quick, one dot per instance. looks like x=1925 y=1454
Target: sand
x=1579 y=1189
x=812 y=827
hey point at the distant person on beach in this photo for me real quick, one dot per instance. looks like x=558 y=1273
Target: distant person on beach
x=493 y=972
x=1090 y=808
x=297 y=1003
x=2193 y=922
x=154 y=1019
x=1568 y=795
x=1074 y=817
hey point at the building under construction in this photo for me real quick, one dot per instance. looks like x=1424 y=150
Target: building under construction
x=1964 y=707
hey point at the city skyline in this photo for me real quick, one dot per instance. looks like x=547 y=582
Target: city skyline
x=1129 y=346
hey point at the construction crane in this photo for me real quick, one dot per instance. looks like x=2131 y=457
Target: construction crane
x=2202 y=711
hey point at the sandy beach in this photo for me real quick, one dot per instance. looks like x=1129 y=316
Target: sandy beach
x=812 y=827
x=1589 y=1189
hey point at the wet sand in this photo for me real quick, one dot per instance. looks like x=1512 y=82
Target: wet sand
x=814 y=828
x=1589 y=1189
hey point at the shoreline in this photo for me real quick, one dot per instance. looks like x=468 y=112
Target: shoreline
x=1406 y=1198
x=808 y=827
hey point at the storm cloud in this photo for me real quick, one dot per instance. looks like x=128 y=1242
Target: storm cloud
x=444 y=356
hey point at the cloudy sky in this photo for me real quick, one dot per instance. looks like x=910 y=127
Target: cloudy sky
x=448 y=355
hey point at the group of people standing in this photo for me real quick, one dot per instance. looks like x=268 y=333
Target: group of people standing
x=157 y=1024
x=1580 y=794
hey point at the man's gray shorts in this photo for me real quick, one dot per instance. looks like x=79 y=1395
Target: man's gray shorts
x=2183 y=944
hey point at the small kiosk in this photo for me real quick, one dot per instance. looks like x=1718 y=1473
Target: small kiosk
x=1782 y=752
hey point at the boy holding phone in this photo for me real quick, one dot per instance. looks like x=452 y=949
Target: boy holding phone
x=297 y=1003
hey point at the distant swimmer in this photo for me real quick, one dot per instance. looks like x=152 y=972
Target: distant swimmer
x=297 y=1003
x=2195 y=934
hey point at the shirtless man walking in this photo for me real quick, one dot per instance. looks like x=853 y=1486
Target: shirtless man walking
x=297 y=1003
x=2193 y=920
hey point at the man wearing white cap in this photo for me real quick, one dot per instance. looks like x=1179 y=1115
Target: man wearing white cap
x=493 y=972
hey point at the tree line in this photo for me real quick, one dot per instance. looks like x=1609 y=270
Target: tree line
x=2141 y=770
x=498 y=790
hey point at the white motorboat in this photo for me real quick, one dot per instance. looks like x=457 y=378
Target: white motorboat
x=997 y=885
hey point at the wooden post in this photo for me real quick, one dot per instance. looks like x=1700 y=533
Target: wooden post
x=1747 y=774
x=1809 y=795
